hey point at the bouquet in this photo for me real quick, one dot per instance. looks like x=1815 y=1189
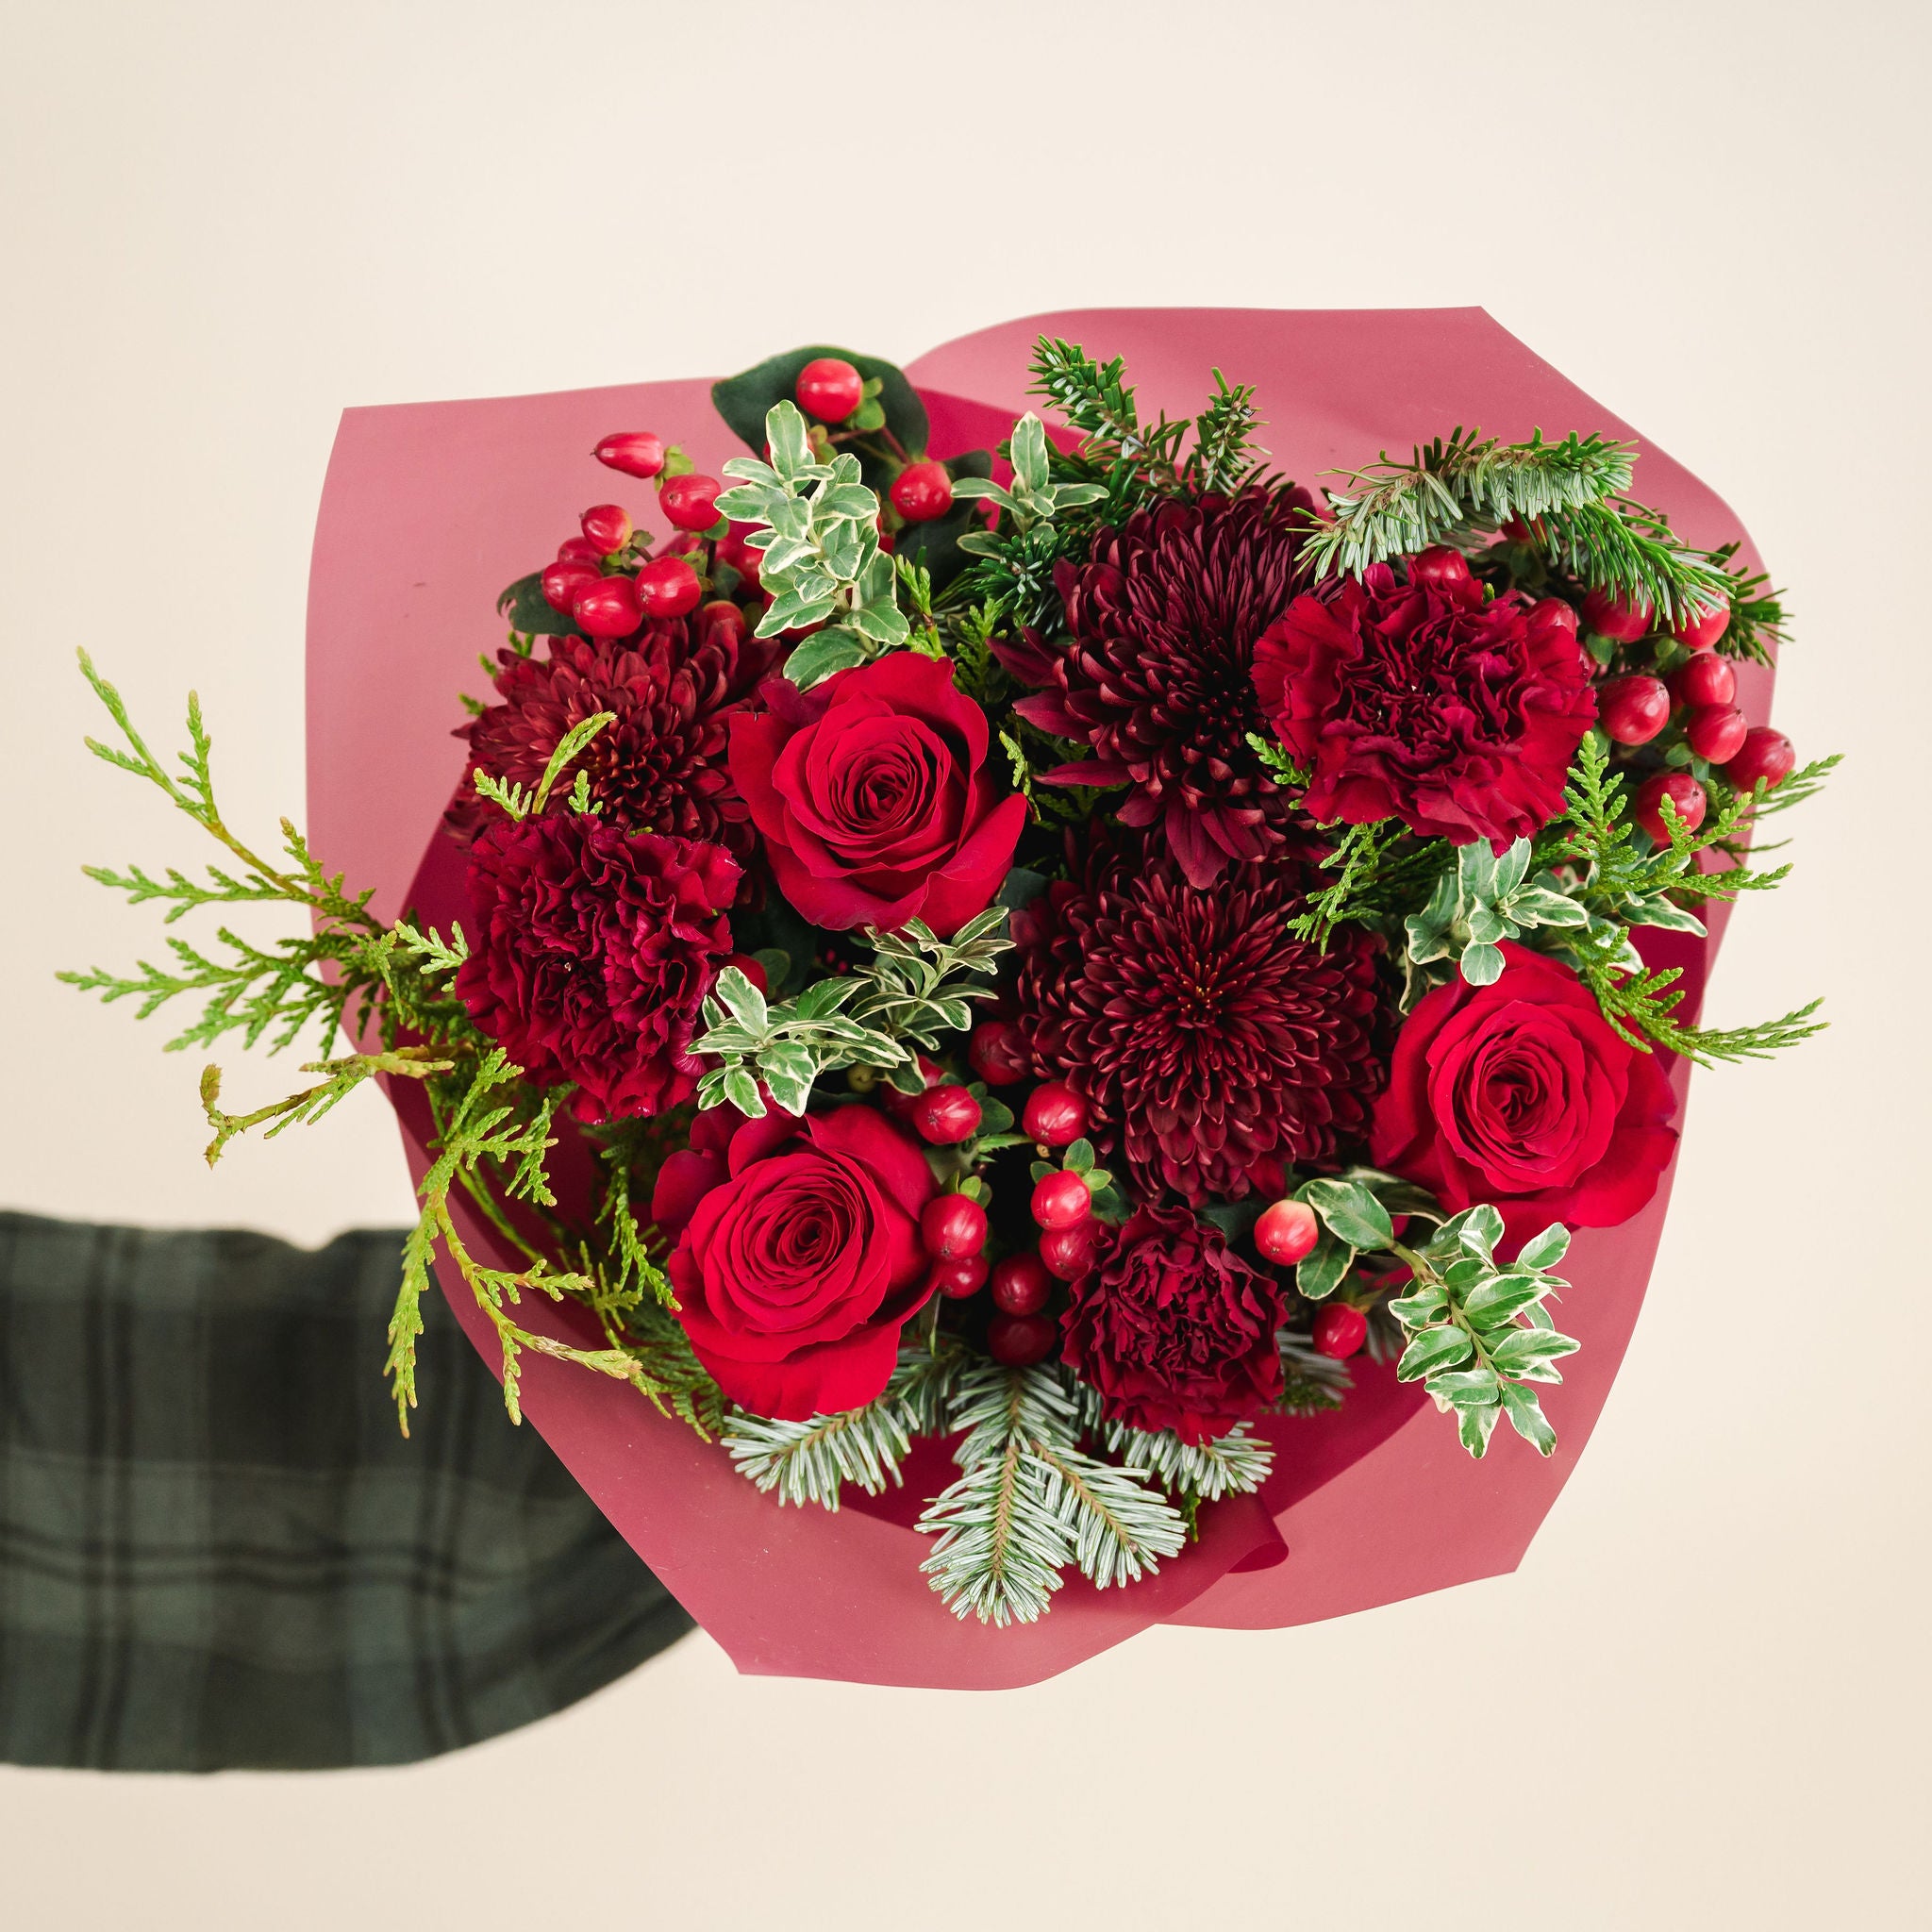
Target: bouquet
x=1018 y=985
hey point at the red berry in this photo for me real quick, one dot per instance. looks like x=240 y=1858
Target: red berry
x=1438 y=564
x=830 y=389
x=1766 y=755
x=899 y=1104
x=720 y=610
x=945 y=1115
x=1287 y=1231
x=668 y=586
x=1633 y=709
x=1555 y=610
x=1702 y=631
x=1062 y=1199
x=1340 y=1330
x=1610 y=616
x=953 y=1227
x=957 y=1279
x=995 y=1053
x=1716 y=732
x=606 y=526
x=1017 y=1341
x=921 y=491
x=1067 y=1253
x=562 y=581
x=689 y=502
x=636 y=452
x=734 y=552
x=1055 y=1116
x=578 y=550
x=1021 y=1284
x=608 y=607
x=1707 y=680
x=1685 y=794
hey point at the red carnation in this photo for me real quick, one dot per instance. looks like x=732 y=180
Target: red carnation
x=1157 y=672
x=660 y=765
x=872 y=797
x=1175 y=1331
x=1523 y=1094
x=1425 y=702
x=798 y=1258
x=592 y=949
x=1209 y=1043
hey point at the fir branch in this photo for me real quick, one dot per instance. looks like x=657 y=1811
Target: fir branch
x=1235 y=1464
x=1312 y=1384
x=1225 y=457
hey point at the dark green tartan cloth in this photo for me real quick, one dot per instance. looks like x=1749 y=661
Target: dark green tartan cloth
x=216 y=1549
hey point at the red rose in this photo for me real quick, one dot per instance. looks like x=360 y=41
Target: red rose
x=1175 y=1331
x=797 y=1270
x=592 y=952
x=1425 y=702
x=1522 y=1093
x=869 y=791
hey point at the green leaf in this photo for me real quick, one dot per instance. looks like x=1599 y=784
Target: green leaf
x=1350 y=1211
x=1480 y=1229
x=1529 y=1353
x=1526 y=1417
x=741 y=1091
x=1420 y=1307
x=1546 y=1249
x=1323 y=1269
x=529 y=612
x=1078 y=1159
x=821 y=655
x=1502 y=1298
x=1476 y=1426
x=1432 y=1351
x=1481 y=965
x=1474 y=1388
x=744 y=1001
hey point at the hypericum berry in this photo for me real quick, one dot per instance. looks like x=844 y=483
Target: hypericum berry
x=829 y=388
x=1017 y=1341
x=606 y=526
x=1716 y=732
x=1702 y=631
x=953 y=1227
x=1340 y=1330
x=562 y=581
x=1707 y=680
x=1062 y=1199
x=608 y=607
x=1021 y=1284
x=689 y=502
x=1633 y=709
x=994 y=1052
x=957 y=1279
x=1686 y=795
x=945 y=1115
x=1556 y=610
x=921 y=491
x=1067 y=1253
x=899 y=1104
x=1055 y=1116
x=734 y=552
x=1287 y=1232
x=578 y=550
x=1610 y=616
x=1766 y=755
x=720 y=610
x=1438 y=564
x=636 y=452
x=668 y=586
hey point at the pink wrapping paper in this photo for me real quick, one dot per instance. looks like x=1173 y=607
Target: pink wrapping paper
x=430 y=508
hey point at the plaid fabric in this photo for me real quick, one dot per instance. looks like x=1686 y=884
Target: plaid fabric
x=216 y=1549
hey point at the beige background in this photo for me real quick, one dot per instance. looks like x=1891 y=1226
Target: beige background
x=1701 y=1703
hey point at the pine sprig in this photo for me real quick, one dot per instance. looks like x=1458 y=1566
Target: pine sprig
x=1030 y=1504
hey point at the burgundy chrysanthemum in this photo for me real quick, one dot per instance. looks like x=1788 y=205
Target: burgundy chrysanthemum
x=661 y=766
x=1156 y=673
x=1175 y=1331
x=592 y=951
x=1429 y=702
x=1210 y=1043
